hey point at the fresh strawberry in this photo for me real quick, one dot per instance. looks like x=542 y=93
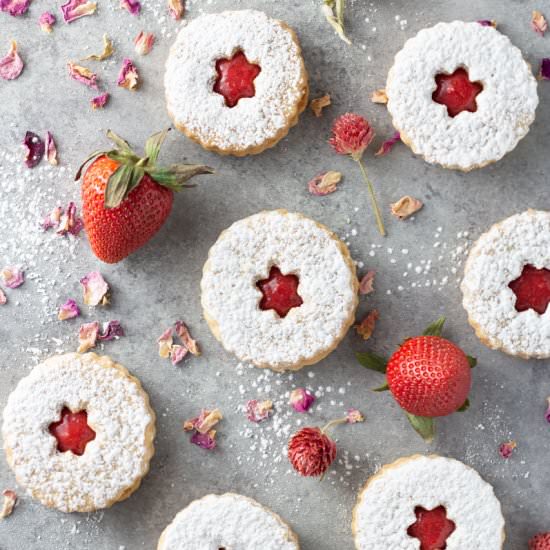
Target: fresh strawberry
x=428 y=376
x=540 y=542
x=126 y=199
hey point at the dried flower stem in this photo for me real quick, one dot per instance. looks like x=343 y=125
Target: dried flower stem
x=333 y=423
x=375 y=207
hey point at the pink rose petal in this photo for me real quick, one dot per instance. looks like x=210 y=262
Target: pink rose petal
x=165 y=342
x=366 y=284
x=324 y=183
x=144 y=42
x=176 y=9
x=544 y=71
x=128 y=76
x=83 y=75
x=387 y=146
x=47 y=21
x=183 y=332
x=74 y=9
x=34 y=149
x=70 y=222
x=69 y=310
x=99 y=101
x=301 y=399
x=354 y=415
x=8 y=506
x=506 y=449
x=204 y=441
x=52 y=219
x=111 y=331
x=539 y=23
x=15 y=7
x=87 y=336
x=95 y=289
x=12 y=276
x=3 y=298
x=11 y=65
x=133 y=6
x=51 y=149
x=258 y=411
x=487 y=23
x=177 y=353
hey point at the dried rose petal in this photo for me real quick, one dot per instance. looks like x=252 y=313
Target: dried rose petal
x=324 y=183
x=51 y=149
x=47 y=21
x=354 y=415
x=12 y=276
x=506 y=449
x=95 y=289
x=74 y=9
x=133 y=6
x=204 y=441
x=379 y=96
x=301 y=399
x=387 y=146
x=177 y=353
x=70 y=222
x=69 y=310
x=34 y=149
x=539 y=23
x=165 y=342
x=11 y=64
x=317 y=105
x=10 y=500
x=406 y=206
x=15 y=7
x=544 y=71
x=128 y=76
x=111 y=331
x=3 y=298
x=366 y=327
x=144 y=42
x=258 y=411
x=107 y=52
x=207 y=420
x=99 y=101
x=488 y=23
x=52 y=219
x=83 y=75
x=176 y=8
x=87 y=336
x=366 y=284
x=183 y=332
x=547 y=413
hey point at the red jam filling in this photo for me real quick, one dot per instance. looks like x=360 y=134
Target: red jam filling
x=532 y=289
x=72 y=432
x=432 y=528
x=235 y=78
x=279 y=292
x=457 y=92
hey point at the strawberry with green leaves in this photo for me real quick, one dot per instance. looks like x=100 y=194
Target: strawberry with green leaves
x=428 y=376
x=127 y=198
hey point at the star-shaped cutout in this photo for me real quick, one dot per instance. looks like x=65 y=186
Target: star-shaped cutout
x=532 y=289
x=235 y=78
x=431 y=528
x=279 y=292
x=72 y=432
x=457 y=92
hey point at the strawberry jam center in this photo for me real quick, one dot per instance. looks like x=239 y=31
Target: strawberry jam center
x=457 y=92
x=235 y=78
x=279 y=292
x=72 y=432
x=432 y=528
x=532 y=289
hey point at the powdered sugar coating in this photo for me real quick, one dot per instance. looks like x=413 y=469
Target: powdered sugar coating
x=244 y=254
x=118 y=411
x=505 y=107
x=191 y=74
x=385 y=508
x=227 y=521
x=496 y=259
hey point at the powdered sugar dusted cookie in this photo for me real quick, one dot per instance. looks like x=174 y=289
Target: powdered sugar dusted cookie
x=506 y=285
x=427 y=499
x=235 y=81
x=461 y=95
x=227 y=521
x=279 y=290
x=78 y=432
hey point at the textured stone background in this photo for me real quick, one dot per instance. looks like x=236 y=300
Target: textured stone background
x=160 y=283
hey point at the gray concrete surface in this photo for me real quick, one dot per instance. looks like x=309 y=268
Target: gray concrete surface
x=160 y=283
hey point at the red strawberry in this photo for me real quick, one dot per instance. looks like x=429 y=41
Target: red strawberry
x=126 y=199
x=540 y=542
x=429 y=376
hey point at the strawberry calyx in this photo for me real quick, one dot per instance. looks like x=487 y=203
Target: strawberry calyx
x=132 y=168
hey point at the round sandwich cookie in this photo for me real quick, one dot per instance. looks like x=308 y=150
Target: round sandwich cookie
x=227 y=522
x=506 y=285
x=461 y=95
x=427 y=503
x=78 y=432
x=235 y=81
x=279 y=290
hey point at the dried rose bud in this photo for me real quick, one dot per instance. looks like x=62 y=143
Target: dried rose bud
x=95 y=289
x=74 y=9
x=111 y=331
x=47 y=21
x=366 y=327
x=87 y=336
x=10 y=500
x=69 y=310
x=51 y=149
x=317 y=105
x=311 y=452
x=539 y=23
x=387 y=146
x=506 y=449
x=258 y=411
x=12 y=276
x=128 y=76
x=354 y=415
x=183 y=332
x=324 y=183
x=165 y=342
x=301 y=399
x=406 y=206
x=3 y=298
x=366 y=284
x=99 y=101
x=144 y=42
x=176 y=9
x=15 y=7
x=133 y=6
x=83 y=75
x=34 y=149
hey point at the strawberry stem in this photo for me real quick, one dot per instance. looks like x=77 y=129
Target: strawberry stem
x=374 y=202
